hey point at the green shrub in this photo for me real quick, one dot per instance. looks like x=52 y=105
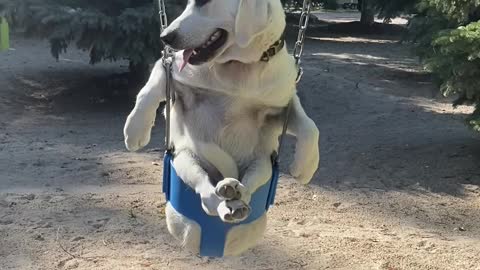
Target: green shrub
x=330 y=4
x=456 y=61
x=107 y=30
x=447 y=38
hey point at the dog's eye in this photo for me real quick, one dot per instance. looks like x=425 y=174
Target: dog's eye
x=200 y=3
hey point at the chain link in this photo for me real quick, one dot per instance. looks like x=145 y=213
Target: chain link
x=163 y=15
x=302 y=28
x=297 y=54
x=167 y=61
x=167 y=50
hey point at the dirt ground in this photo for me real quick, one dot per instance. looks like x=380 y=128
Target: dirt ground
x=398 y=186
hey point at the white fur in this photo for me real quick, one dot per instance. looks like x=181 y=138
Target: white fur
x=227 y=115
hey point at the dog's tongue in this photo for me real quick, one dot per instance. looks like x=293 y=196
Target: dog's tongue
x=186 y=56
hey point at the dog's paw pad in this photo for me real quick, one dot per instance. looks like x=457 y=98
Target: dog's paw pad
x=227 y=192
x=232 y=189
x=241 y=213
x=233 y=211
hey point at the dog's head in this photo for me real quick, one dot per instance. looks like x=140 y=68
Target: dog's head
x=224 y=30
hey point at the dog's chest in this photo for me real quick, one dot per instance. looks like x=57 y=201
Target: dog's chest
x=235 y=124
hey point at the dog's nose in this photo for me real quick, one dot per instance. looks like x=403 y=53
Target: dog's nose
x=169 y=37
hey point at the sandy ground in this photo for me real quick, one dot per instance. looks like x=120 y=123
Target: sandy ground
x=398 y=186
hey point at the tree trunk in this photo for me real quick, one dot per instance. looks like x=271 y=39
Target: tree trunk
x=368 y=15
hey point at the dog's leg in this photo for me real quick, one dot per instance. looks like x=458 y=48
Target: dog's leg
x=142 y=118
x=256 y=175
x=307 y=154
x=189 y=170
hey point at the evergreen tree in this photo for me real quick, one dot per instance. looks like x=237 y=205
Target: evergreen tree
x=447 y=37
x=108 y=30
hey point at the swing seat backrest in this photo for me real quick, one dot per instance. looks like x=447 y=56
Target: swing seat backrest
x=213 y=230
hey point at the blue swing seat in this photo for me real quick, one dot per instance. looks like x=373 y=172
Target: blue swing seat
x=213 y=230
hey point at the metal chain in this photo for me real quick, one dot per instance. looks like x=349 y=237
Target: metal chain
x=297 y=54
x=163 y=15
x=167 y=64
x=302 y=29
x=167 y=61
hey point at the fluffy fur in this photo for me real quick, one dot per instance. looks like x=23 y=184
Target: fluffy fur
x=228 y=114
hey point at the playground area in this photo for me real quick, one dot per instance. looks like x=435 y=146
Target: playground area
x=398 y=185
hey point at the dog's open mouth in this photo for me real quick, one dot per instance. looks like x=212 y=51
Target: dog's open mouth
x=205 y=52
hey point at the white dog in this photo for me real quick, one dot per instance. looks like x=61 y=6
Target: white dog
x=228 y=112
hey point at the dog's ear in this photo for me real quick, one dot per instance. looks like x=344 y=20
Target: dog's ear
x=252 y=19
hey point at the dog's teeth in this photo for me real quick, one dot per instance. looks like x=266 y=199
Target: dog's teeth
x=215 y=36
x=212 y=39
x=195 y=52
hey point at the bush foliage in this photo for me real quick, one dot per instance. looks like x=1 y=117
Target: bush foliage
x=108 y=30
x=447 y=37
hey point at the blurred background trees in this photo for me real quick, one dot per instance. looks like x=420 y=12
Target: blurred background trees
x=107 y=30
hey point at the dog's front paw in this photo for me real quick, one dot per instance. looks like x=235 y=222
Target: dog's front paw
x=232 y=189
x=137 y=131
x=233 y=211
x=307 y=157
